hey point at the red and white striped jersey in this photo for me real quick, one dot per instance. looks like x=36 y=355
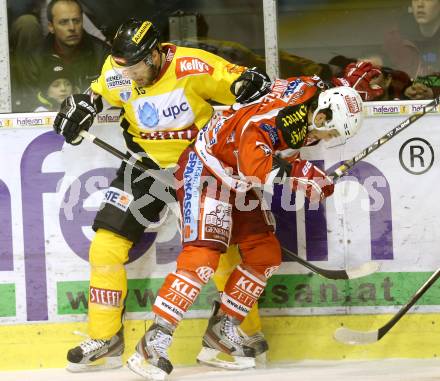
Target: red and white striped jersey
x=237 y=146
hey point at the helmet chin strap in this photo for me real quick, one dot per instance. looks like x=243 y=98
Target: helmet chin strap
x=151 y=64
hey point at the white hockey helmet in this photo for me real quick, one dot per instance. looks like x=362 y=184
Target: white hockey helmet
x=345 y=104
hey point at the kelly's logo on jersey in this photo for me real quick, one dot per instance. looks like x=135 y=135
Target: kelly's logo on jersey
x=192 y=66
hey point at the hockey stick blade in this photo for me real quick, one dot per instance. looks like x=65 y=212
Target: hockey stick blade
x=364 y=270
x=353 y=337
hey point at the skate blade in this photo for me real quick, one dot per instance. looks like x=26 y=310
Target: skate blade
x=101 y=364
x=261 y=360
x=137 y=364
x=210 y=357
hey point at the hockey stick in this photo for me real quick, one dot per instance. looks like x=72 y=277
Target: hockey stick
x=350 y=336
x=348 y=164
x=130 y=160
x=364 y=270
x=342 y=170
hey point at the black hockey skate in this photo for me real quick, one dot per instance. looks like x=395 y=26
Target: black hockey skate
x=223 y=345
x=96 y=354
x=150 y=360
x=260 y=345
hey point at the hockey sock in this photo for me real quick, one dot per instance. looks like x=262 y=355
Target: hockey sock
x=241 y=292
x=175 y=297
x=108 y=283
x=228 y=261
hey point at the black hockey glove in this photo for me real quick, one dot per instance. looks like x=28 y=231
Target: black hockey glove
x=76 y=114
x=251 y=85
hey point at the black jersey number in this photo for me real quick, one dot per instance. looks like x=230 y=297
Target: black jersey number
x=140 y=90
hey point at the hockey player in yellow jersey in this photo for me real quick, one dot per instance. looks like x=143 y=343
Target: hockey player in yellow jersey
x=163 y=91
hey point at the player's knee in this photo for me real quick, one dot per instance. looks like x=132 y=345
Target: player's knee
x=108 y=248
x=198 y=262
x=262 y=255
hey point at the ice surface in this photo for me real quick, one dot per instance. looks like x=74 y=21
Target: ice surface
x=384 y=370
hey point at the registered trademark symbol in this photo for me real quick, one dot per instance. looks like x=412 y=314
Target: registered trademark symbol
x=416 y=156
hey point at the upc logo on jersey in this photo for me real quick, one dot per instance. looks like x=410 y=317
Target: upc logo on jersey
x=170 y=111
x=192 y=66
x=352 y=104
x=118 y=198
x=148 y=115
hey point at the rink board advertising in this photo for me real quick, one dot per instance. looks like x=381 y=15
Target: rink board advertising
x=385 y=210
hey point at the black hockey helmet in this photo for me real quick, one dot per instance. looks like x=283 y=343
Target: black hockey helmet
x=134 y=41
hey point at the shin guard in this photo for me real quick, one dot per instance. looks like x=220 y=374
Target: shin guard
x=241 y=292
x=175 y=297
x=108 y=283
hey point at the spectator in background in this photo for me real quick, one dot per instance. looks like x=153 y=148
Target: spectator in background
x=25 y=40
x=393 y=82
x=56 y=85
x=424 y=87
x=382 y=83
x=414 y=46
x=338 y=63
x=67 y=41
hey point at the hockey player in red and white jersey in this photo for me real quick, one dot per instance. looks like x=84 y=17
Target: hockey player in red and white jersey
x=234 y=154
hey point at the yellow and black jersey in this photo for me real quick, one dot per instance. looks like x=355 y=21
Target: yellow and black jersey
x=164 y=118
